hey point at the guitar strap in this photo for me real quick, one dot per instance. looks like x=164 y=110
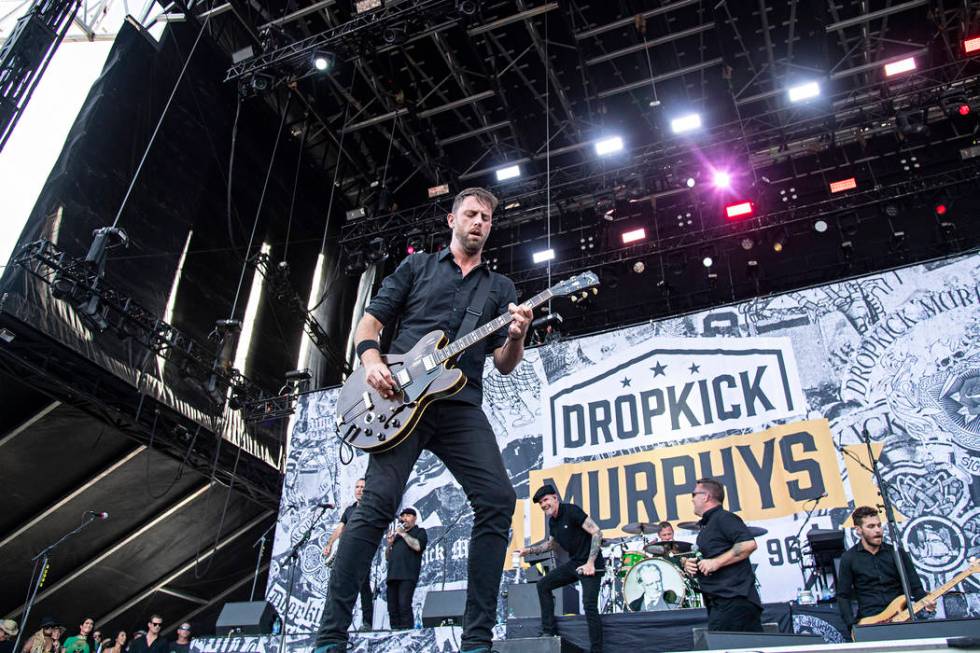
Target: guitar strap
x=474 y=310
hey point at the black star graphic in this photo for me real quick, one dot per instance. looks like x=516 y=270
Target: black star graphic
x=626 y=381
x=694 y=368
x=658 y=369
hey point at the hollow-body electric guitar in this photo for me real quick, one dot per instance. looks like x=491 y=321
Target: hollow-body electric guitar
x=368 y=421
x=896 y=612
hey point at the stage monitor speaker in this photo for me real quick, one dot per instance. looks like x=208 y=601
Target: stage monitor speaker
x=444 y=608
x=522 y=601
x=528 y=645
x=918 y=629
x=245 y=618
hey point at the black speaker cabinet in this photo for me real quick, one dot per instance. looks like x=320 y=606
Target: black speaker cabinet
x=718 y=639
x=245 y=618
x=528 y=645
x=522 y=601
x=444 y=608
x=917 y=629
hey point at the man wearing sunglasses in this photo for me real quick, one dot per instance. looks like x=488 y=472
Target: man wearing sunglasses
x=151 y=642
x=722 y=565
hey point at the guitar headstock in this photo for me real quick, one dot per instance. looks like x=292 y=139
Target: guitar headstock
x=578 y=283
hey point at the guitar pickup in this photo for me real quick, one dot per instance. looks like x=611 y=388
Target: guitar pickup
x=368 y=404
x=402 y=377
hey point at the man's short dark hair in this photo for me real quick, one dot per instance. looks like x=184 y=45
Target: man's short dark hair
x=664 y=524
x=861 y=513
x=481 y=194
x=715 y=489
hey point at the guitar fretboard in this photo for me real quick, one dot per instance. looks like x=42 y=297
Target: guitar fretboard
x=478 y=334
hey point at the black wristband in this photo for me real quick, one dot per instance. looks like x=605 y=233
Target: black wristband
x=365 y=345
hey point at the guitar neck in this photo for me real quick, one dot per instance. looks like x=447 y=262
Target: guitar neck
x=942 y=589
x=481 y=333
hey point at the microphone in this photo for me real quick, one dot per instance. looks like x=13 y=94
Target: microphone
x=323 y=504
x=97 y=515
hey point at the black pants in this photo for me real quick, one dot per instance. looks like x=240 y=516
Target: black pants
x=367 y=603
x=733 y=614
x=562 y=575
x=460 y=435
x=400 y=593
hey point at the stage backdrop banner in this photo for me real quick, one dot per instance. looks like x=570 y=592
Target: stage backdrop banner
x=772 y=396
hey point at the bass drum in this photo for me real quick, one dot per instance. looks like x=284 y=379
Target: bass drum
x=654 y=584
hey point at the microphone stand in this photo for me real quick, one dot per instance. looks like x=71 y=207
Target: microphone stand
x=809 y=514
x=291 y=558
x=44 y=557
x=897 y=549
x=258 y=561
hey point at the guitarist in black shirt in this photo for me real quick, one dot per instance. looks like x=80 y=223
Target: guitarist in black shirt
x=426 y=292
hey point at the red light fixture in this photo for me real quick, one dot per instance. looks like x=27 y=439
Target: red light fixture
x=940 y=208
x=739 y=210
x=844 y=184
x=963 y=109
x=971 y=45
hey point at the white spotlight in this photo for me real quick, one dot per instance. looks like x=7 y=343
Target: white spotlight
x=707 y=261
x=685 y=123
x=543 y=255
x=609 y=145
x=691 y=182
x=508 y=173
x=804 y=91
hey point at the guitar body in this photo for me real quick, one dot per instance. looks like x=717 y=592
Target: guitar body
x=894 y=613
x=370 y=422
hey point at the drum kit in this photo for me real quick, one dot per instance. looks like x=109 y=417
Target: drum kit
x=646 y=573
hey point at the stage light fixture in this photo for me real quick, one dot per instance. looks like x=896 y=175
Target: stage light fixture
x=543 y=255
x=607 y=146
x=747 y=243
x=394 y=35
x=844 y=184
x=377 y=250
x=323 y=60
x=739 y=210
x=686 y=123
x=414 y=242
x=510 y=172
x=362 y=6
x=707 y=261
x=586 y=243
x=634 y=235
x=707 y=256
x=440 y=190
x=466 y=7
x=779 y=239
x=912 y=123
x=639 y=267
x=898 y=67
x=803 y=92
x=820 y=226
x=722 y=179
x=356 y=214
x=940 y=208
x=971 y=45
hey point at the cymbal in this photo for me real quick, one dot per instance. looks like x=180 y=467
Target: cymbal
x=689 y=525
x=613 y=541
x=757 y=531
x=640 y=528
x=669 y=546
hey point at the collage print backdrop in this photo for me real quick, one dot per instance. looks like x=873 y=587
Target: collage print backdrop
x=773 y=397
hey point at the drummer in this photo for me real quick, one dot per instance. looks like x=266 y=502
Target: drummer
x=666 y=532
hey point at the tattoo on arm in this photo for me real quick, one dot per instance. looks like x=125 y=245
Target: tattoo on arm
x=413 y=543
x=737 y=549
x=593 y=529
x=541 y=548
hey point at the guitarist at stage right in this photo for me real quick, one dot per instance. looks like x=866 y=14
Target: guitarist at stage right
x=868 y=572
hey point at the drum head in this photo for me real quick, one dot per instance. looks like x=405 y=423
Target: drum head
x=653 y=584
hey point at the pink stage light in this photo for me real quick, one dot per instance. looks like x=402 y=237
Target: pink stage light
x=722 y=179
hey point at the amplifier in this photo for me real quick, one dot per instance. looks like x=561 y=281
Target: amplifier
x=444 y=608
x=245 y=618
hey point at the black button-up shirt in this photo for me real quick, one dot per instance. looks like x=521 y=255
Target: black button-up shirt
x=428 y=292
x=348 y=512
x=405 y=563
x=720 y=530
x=872 y=579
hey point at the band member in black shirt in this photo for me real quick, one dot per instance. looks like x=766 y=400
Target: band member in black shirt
x=404 y=553
x=868 y=572
x=427 y=292
x=570 y=527
x=367 y=596
x=724 y=572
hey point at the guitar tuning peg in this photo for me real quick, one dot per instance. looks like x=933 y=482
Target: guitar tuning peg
x=595 y=291
x=573 y=298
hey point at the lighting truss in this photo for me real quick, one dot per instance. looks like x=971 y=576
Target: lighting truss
x=284 y=293
x=373 y=21
x=128 y=318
